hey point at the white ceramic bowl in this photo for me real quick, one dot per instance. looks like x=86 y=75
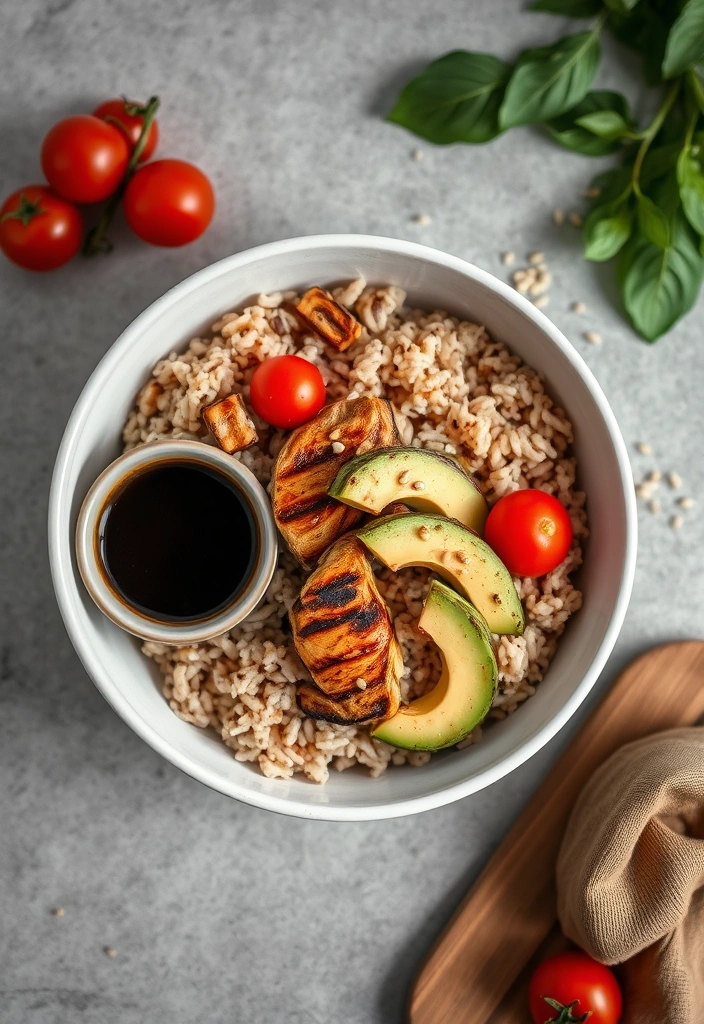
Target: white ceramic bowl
x=433 y=279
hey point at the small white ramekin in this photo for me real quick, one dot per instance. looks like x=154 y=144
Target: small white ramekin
x=96 y=578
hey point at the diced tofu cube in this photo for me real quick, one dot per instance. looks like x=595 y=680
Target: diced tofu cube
x=230 y=424
x=327 y=318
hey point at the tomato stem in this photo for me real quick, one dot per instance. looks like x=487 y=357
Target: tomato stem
x=97 y=240
x=25 y=212
x=564 y=1013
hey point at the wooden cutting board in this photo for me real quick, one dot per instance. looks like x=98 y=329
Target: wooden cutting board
x=478 y=971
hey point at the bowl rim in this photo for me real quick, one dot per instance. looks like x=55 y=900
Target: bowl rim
x=67 y=591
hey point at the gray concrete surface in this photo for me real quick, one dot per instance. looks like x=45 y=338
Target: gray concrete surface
x=220 y=913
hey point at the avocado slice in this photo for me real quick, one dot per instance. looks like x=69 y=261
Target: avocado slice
x=424 y=480
x=465 y=690
x=455 y=553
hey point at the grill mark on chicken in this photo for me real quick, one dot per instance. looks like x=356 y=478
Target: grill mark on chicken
x=365 y=617
x=359 y=654
x=298 y=509
x=335 y=594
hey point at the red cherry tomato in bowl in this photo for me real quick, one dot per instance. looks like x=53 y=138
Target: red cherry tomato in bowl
x=126 y=113
x=573 y=977
x=530 y=531
x=287 y=391
x=84 y=158
x=169 y=202
x=38 y=229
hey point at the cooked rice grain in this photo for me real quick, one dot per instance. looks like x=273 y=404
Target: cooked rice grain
x=456 y=390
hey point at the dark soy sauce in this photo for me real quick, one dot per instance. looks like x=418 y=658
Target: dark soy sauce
x=177 y=541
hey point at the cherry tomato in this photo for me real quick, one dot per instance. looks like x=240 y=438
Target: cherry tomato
x=287 y=391
x=530 y=531
x=38 y=229
x=85 y=159
x=573 y=977
x=169 y=202
x=129 y=118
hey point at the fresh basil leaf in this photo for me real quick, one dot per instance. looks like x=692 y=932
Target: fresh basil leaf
x=570 y=8
x=659 y=161
x=455 y=99
x=606 y=230
x=645 y=29
x=549 y=80
x=621 y=6
x=658 y=286
x=566 y=130
x=653 y=223
x=685 y=43
x=607 y=124
x=690 y=178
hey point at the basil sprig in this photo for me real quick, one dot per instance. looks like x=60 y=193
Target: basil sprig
x=649 y=211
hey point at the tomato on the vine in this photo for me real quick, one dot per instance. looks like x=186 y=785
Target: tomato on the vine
x=571 y=987
x=169 y=202
x=129 y=118
x=530 y=531
x=85 y=158
x=287 y=391
x=38 y=229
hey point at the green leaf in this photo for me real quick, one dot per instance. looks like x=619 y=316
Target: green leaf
x=570 y=8
x=566 y=129
x=653 y=223
x=659 y=161
x=621 y=6
x=685 y=43
x=690 y=178
x=455 y=99
x=658 y=286
x=645 y=29
x=606 y=230
x=612 y=184
x=607 y=124
x=550 y=79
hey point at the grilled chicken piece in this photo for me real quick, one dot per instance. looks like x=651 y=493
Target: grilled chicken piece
x=343 y=632
x=230 y=424
x=331 y=321
x=308 y=518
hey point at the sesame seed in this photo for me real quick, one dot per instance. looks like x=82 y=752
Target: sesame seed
x=592 y=193
x=655 y=476
x=352 y=395
x=422 y=220
x=417 y=155
x=541 y=302
x=674 y=480
x=361 y=683
x=404 y=477
x=536 y=257
x=508 y=258
x=576 y=220
x=423 y=532
x=58 y=911
x=109 y=951
x=558 y=217
x=654 y=506
x=418 y=485
x=644 y=448
x=338 y=447
x=686 y=503
x=677 y=522
x=593 y=338
x=334 y=435
x=578 y=307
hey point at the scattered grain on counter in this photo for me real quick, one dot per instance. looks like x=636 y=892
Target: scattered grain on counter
x=338 y=447
x=536 y=257
x=542 y=301
x=644 y=448
x=508 y=258
x=654 y=506
x=576 y=220
x=686 y=502
x=578 y=307
x=645 y=490
x=654 y=476
x=593 y=338
x=417 y=155
x=677 y=522
x=109 y=951
x=58 y=911
x=558 y=217
x=674 y=480
x=422 y=220
x=532 y=281
x=592 y=193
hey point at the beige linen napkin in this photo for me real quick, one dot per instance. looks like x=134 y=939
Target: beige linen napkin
x=630 y=875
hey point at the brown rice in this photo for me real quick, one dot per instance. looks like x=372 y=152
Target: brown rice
x=456 y=391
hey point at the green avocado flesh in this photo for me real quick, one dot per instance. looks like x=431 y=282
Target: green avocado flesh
x=424 y=480
x=455 y=553
x=465 y=690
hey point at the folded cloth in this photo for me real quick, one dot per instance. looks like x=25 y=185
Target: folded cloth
x=630 y=875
